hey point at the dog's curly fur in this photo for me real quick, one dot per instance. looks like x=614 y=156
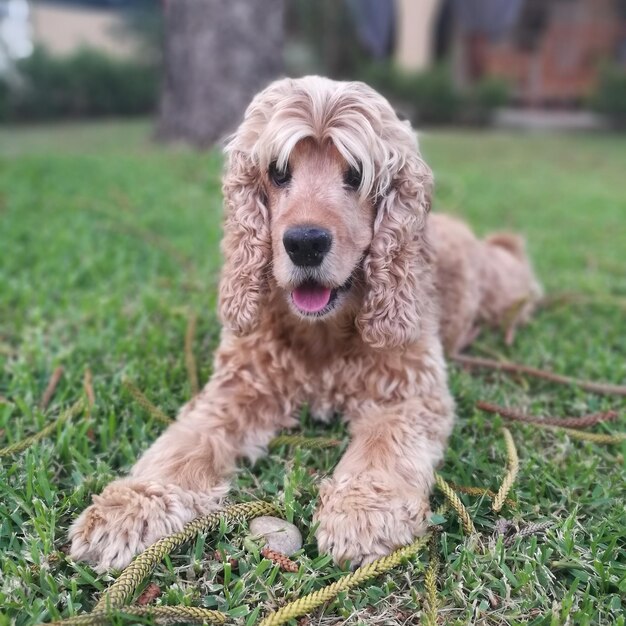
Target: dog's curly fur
x=479 y=282
x=373 y=354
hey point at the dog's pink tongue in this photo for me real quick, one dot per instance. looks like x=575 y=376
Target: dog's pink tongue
x=311 y=298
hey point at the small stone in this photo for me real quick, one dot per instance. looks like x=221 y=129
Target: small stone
x=279 y=535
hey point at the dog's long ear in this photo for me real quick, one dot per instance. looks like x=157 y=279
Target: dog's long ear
x=397 y=267
x=246 y=245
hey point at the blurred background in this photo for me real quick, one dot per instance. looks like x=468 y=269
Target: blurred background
x=196 y=63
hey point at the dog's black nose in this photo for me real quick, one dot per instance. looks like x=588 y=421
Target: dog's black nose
x=307 y=245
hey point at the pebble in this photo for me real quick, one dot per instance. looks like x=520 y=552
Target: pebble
x=279 y=534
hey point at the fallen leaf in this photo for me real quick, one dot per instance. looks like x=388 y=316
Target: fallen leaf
x=149 y=595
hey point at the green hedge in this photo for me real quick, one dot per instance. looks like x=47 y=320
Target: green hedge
x=610 y=96
x=85 y=84
x=431 y=97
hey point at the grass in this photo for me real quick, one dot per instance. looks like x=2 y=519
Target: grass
x=108 y=243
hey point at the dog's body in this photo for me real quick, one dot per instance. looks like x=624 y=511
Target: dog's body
x=328 y=299
x=479 y=282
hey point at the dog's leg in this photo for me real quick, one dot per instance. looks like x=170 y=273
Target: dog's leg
x=377 y=499
x=184 y=474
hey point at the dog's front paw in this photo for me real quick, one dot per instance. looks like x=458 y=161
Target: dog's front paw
x=127 y=517
x=361 y=519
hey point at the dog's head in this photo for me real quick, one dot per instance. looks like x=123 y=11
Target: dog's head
x=326 y=197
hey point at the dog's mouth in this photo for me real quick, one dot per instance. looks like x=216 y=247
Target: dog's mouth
x=313 y=299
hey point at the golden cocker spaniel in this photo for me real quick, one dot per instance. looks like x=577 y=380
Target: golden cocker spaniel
x=328 y=298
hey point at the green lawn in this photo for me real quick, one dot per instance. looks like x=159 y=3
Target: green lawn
x=108 y=242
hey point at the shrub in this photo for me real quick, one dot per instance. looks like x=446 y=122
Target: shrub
x=435 y=97
x=87 y=83
x=4 y=100
x=610 y=96
x=482 y=99
x=431 y=97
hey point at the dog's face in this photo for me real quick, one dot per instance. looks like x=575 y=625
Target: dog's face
x=326 y=197
x=321 y=228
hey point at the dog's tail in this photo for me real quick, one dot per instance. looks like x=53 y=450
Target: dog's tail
x=515 y=244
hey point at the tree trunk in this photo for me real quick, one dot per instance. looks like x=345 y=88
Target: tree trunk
x=218 y=54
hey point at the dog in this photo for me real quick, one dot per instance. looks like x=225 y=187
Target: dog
x=328 y=297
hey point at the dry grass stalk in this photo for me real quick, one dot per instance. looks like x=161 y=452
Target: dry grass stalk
x=509 y=531
x=280 y=559
x=430 y=583
x=480 y=491
x=190 y=361
x=145 y=403
x=568 y=422
x=456 y=504
x=24 y=444
x=582 y=435
x=511 y=474
x=88 y=387
x=518 y=368
x=534 y=528
x=51 y=388
x=570 y=298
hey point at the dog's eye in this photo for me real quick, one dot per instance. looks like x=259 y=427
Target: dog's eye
x=352 y=178
x=279 y=177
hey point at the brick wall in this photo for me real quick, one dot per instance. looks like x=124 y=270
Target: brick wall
x=563 y=66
